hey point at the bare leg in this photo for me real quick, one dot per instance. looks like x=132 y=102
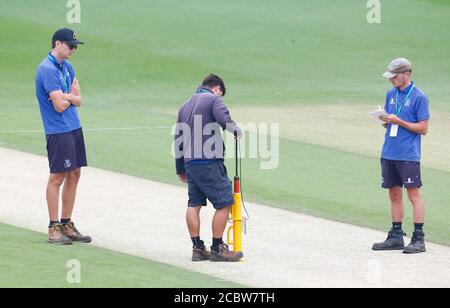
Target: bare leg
x=418 y=205
x=397 y=207
x=220 y=222
x=53 y=187
x=193 y=220
x=69 y=193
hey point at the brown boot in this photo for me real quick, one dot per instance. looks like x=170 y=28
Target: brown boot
x=225 y=255
x=71 y=232
x=57 y=237
x=200 y=254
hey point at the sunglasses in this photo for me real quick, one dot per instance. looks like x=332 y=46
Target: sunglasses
x=71 y=46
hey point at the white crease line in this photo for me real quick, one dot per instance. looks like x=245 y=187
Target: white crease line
x=125 y=128
x=20 y=131
x=88 y=129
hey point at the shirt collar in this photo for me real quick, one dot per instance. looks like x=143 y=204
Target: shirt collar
x=203 y=89
x=406 y=91
x=54 y=60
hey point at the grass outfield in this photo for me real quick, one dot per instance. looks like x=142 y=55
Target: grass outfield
x=144 y=58
x=27 y=262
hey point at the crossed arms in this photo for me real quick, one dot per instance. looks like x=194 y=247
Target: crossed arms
x=420 y=128
x=61 y=101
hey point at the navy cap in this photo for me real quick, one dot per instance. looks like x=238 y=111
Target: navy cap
x=66 y=35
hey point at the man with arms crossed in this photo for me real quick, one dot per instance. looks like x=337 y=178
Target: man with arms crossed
x=407 y=120
x=58 y=94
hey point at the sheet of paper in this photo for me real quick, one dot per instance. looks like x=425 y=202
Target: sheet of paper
x=377 y=113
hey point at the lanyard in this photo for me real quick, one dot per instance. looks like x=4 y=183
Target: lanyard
x=202 y=91
x=399 y=108
x=62 y=72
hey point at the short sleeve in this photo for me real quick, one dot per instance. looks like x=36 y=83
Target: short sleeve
x=50 y=80
x=422 y=108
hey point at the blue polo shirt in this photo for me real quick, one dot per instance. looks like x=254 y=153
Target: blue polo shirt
x=53 y=76
x=407 y=145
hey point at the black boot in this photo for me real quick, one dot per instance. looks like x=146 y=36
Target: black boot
x=393 y=242
x=417 y=243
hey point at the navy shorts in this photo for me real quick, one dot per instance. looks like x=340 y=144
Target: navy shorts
x=66 y=152
x=400 y=173
x=209 y=181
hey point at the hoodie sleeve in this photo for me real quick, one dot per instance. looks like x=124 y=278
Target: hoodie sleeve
x=222 y=116
x=179 y=159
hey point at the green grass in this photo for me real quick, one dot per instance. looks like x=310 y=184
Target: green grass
x=144 y=58
x=26 y=261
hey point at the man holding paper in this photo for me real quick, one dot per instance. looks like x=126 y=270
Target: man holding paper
x=406 y=121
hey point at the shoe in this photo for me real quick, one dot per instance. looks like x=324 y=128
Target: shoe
x=56 y=235
x=72 y=233
x=393 y=242
x=200 y=253
x=225 y=255
x=417 y=243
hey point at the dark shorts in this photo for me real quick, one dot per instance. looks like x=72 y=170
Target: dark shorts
x=209 y=181
x=66 y=152
x=400 y=173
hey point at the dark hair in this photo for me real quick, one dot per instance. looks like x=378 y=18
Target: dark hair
x=214 y=81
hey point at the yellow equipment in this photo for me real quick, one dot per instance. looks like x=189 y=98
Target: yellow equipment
x=236 y=218
x=235 y=229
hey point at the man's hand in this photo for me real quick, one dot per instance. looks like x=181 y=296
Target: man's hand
x=238 y=133
x=391 y=119
x=76 y=90
x=74 y=97
x=182 y=177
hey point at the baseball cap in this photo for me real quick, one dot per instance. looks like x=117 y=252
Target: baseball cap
x=399 y=65
x=66 y=35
